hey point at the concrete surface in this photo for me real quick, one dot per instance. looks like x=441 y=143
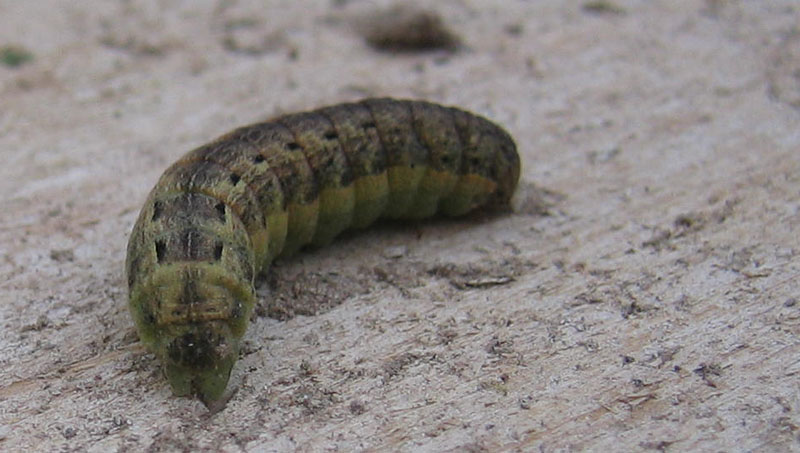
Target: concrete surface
x=643 y=296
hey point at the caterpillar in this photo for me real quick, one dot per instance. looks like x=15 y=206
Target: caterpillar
x=224 y=211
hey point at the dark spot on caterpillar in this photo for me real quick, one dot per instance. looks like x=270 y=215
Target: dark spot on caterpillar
x=156 y=210
x=211 y=235
x=220 y=207
x=195 y=349
x=161 y=248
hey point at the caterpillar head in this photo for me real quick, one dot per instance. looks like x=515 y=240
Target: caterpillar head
x=198 y=358
x=192 y=316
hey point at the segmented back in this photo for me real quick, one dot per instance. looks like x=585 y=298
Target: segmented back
x=226 y=210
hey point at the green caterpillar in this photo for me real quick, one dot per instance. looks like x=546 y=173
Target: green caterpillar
x=226 y=210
